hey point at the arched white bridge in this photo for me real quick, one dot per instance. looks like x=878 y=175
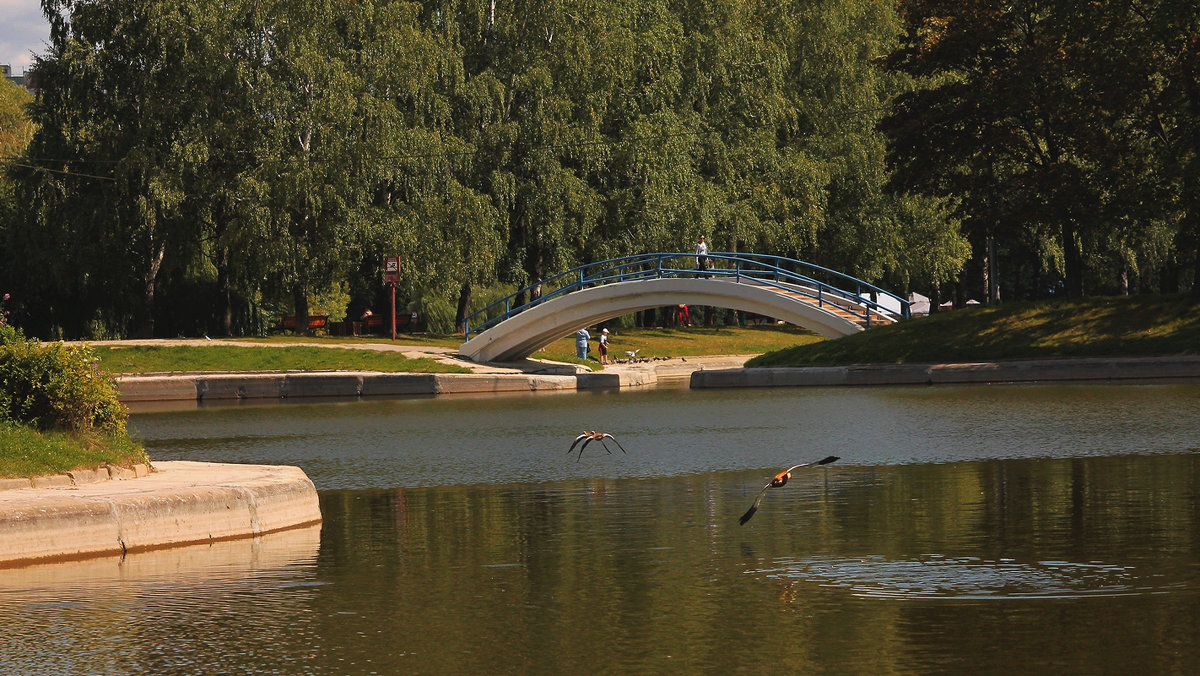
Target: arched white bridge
x=765 y=285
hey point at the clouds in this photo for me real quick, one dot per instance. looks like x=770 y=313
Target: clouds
x=23 y=30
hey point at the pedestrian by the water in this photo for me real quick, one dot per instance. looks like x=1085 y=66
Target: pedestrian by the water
x=603 y=346
x=581 y=343
x=682 y=316
x=702 y=256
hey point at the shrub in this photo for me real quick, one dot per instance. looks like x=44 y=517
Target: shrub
x=56 y=386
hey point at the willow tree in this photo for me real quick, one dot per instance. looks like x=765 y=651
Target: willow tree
x=535 y=140
x=16 y=130
x=109 y=115
x=313 y=104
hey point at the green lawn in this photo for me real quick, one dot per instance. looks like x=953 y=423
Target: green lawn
x=432 y=339
x=292 y=353
x=217 y=357
x=1091 y=327
x=25 y=452
x=685 y=342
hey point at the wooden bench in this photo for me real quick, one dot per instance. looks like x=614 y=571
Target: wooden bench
x=315 y=322
x=378 y=324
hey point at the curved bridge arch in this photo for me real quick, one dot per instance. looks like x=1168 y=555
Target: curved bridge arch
x=752 y=283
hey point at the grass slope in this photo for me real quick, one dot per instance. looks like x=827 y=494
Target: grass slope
x=217 y=357
x=26 y=452
x=683 y=342
x=1091 y=327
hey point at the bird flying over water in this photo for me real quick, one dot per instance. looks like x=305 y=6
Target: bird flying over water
x=778 y=481
x=589 y=437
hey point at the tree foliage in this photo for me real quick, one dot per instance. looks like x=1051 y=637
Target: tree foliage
x=203 y=167
x=1065 y=131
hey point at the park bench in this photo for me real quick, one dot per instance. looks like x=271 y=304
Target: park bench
x=315 y=322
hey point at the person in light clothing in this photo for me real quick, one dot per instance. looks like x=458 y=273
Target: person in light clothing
x=702 y=256
x=603 y=346
x=581 y=343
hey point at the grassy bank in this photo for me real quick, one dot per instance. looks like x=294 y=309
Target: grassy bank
x=291 y=353
x=25 y=452
x=1091 y=327
x=452 y=340
x=217 y=357
x=685 y=342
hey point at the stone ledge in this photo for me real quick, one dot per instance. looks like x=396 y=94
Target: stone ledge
x=180 y=503
x=78 y=477
x=1117 y=369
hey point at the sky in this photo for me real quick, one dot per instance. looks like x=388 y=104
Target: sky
x=23 y=30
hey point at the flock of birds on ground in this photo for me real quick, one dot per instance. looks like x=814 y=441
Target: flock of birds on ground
x=634 y=359
x=778 y=481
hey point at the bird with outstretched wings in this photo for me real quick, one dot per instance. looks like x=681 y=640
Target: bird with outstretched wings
x=778 y=481
x=589 y=437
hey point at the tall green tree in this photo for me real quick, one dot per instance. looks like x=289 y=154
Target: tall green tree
x=108 y=136
x=1059 y=127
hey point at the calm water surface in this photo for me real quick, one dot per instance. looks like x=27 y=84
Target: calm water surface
x=966 y=529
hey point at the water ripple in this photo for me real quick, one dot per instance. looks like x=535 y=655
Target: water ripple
x=968 y=578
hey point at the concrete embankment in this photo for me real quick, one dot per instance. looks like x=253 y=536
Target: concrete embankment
x=240 y=386
x=179 y=503
x=703 y=372
x=1097 y=370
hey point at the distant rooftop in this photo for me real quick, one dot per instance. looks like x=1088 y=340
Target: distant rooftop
x=25 y=79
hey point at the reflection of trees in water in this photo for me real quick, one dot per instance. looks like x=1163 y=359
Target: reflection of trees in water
x=622 y=573
x=655 y=576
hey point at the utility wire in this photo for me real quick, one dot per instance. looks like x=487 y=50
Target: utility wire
x=56 y=171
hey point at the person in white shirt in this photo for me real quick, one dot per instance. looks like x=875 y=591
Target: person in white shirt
x=702 y=256
x=603 y=346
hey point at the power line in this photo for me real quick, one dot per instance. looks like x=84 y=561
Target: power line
x=56 y=171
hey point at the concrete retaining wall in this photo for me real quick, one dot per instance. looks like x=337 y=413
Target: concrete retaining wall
x=235 y=387
x=180 y=503
x=1130 y=369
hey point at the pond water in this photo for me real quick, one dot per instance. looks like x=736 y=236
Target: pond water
x=1029 y=529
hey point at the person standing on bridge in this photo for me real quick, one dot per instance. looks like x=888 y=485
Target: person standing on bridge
x=581 y=343
x=702 y=256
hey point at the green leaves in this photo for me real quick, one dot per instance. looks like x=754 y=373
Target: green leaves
x=261 y=151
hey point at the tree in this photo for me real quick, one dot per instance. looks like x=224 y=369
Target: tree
x=1054 y=124
x=15 y=131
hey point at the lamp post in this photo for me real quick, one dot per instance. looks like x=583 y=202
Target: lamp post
x=391 y=275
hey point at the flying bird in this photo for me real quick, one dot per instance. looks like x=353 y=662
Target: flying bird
x=589 y=437
x=633 y=353
x=778 y=481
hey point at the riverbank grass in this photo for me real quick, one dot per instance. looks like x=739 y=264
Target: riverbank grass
x=239 y=359
x=25 y=452
x=683 y=342
x=1121 y=326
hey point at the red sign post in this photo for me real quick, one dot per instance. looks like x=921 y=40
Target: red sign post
x=391 y=275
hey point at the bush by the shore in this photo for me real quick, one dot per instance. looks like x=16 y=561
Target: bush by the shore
x=58 y=410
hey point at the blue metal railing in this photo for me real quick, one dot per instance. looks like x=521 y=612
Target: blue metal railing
x=822 y=285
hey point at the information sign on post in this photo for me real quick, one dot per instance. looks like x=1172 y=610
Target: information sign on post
x=391 y=275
